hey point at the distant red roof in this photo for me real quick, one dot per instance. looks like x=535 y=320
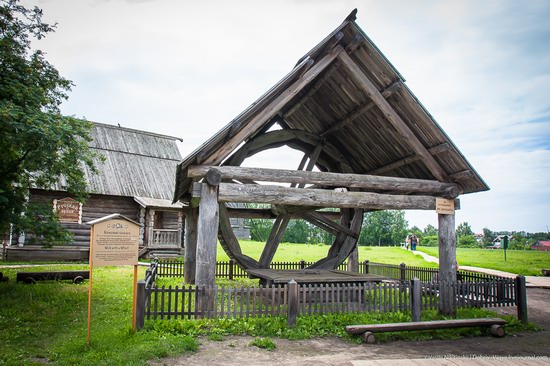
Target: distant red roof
x=544 y=243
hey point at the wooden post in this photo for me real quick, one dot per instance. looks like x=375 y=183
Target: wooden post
x=190 y=255
x=521 y=299
x=90 y=286
x=134 y=299
x=292 y=303
x=140 y=304
x=366 y=266
x=231 y=269
x=207 y=231
x=402 y=268
x=447 y=264
x=353 y=260
x=416 y=299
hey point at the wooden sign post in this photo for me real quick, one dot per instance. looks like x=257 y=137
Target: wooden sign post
x=114 y=241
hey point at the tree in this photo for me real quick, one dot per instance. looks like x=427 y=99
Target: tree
x=383 y=228
x=38 y=144
x=430 y=230
x=464 y=229
x=488 y=237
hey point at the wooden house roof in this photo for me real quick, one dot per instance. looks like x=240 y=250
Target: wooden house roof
x=347 y=97
x=137 y=163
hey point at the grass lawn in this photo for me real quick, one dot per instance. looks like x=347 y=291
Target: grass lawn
x=288 y=252
x=46 y=323
x=525 y=262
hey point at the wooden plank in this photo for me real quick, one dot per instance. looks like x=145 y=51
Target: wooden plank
x=363 y=181
x=272 y=108
x=424 y=325
x=361 y=110
x=230 y=192
x=406 y=133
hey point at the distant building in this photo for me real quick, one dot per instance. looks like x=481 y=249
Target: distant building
x=543 y=246
x=135 y=180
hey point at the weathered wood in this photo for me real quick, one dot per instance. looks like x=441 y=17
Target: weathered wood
x=426 y=325
x=370 y=182
x=266 y=213
x=416 y=300
x=332 y=227
x=447 y=264
x=293 y=302
x=390 y=114
x=521 y=299
x=272 y=108
x=207 y=229
x=273 y=241
x=190 y=244
x=360 y=111
x=296 y=139
x=322 y=198
x=32 y=277
x=213 y=177
x=230 y=243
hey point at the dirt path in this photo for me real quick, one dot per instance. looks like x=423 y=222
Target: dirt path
x=235 y=351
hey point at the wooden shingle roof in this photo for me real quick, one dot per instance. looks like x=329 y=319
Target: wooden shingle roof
x=137 y=163
x=345 y=95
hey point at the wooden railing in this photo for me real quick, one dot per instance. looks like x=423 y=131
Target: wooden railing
x=164 y=238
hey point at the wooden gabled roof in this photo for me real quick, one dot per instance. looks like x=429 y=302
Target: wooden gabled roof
x=345 y=96
x=137 y=163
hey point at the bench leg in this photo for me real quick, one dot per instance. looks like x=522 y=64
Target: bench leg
x=368 y=337
x=497 y=330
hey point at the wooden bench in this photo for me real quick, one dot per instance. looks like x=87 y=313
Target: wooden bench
x=545 y=272
x=495 y=326
x=32 y=277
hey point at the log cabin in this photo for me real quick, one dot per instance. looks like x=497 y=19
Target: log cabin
x=134 y=179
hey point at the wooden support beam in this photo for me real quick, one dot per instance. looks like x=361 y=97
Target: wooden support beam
x=266 y=213
x=273 y=241
x=272 y=108
x=406 y=133
x=322 y=198
x=332 y=227
x=207 y=230
x=190 y=244
x=447 y=264
x=368 y=182
x=410 y=159
x=361 y=110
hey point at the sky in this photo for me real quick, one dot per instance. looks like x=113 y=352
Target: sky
x=187 y=68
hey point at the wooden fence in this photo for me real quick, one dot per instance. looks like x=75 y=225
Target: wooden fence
x=190 y=302
x=400 y=272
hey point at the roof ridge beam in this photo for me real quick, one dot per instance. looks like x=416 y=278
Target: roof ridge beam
x=391 y=115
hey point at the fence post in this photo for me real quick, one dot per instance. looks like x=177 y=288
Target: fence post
x=402 y=267
x=521 y=299
x=366 y=266
x=140 y=304
x=292 y=296
x=416 y=299
x=302 y=264
x=231 y=269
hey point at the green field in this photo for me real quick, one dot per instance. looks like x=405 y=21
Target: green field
x=309 y=252
x=525 y=262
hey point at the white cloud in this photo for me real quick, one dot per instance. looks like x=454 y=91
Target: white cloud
x=186 y=68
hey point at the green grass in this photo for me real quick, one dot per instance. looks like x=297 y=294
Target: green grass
x=47 y=320
x=525 y=262
x=288 y=252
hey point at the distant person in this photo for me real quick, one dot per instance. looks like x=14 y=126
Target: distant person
x=408 y=241
x=414 y=242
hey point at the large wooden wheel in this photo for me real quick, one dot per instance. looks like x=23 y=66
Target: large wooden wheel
x=327 y=157
x=346 y=234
